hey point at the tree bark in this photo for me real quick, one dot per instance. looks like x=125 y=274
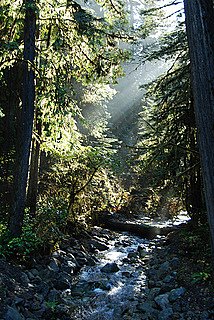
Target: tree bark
x=106 y=220
x=200 y=33
x=32 y=190
x=26 y=124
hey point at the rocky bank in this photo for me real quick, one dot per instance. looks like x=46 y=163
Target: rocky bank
x=108 y=276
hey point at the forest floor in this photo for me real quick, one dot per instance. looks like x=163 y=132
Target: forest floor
x=164 y=278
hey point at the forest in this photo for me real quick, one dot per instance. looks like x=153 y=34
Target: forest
x=106 y=150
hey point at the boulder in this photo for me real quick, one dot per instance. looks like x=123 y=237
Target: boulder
x=176 y=294
x=101 y=246
x=12 y=314
x=162 y=301
x=165 y=314
x=110 y=268
x=54 y=265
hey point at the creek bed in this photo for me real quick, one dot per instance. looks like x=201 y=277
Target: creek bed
x=114 y=287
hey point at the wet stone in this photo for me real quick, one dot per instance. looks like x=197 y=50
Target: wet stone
x=176 y=306
x=126 y=274
x=146 y=307
x=68 y=267
x=54 y=265
x=24 y=279
x=142 y=252
x=164 y=269
x=176 y=294
x=162 y=300
x=61 y=284
x=13 y=314
x=110 y=268
x=168 y=279
x=98 y=245
x=58 y=254
x=165 y=314
x=53 y=295
x=175 y=262
x=154 y=292
x=30 y=275
x=43 y=288
x=166 y=287
x=133 y=255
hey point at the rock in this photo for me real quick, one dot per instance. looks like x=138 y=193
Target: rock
x=176 y=294
x=35 y=305
x=37 y=280
x=43 y=288
x=154 y=292
x=69 y=257
x=133 y=255
x=103 y=285
x=167 y=287
x=81 y=288
x=62 y=310
x=53 y=295
x=165 y=314
x=34 y=272
x=142 y=252
x=30 y=275
x=98 y=245
x=62 y=283
x=13 y=314
x=176 y=306
x=59 y=253
x=18 y=300
x=152 y=284
x=164 y=269
x=205 y=315
x=91 y=261
x=54 y=265
x=68 y=267
x=152 y=273
x=29 y=315
x=24 y=279
x=176 y=316
x=82 y=261
x=175 y=262
x=110 y=268
x=162 y=301
x=168 y=279
x=126 y=274
x=146 y=307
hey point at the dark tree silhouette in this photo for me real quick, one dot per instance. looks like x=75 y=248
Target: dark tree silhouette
x=26 y=122
x=200 y=32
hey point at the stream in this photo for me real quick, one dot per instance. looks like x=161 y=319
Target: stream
x=112 y=288
x=116 y=286
x=106 y=275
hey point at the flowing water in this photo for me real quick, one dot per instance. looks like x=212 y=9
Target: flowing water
x=114 y=294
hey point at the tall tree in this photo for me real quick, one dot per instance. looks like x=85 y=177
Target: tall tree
x=200 y=33
x=26 y=123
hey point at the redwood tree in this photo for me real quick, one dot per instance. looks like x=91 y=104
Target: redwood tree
x=200 y=32
x=26 y=121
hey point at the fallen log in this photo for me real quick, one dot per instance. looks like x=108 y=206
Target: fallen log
x=142 y=230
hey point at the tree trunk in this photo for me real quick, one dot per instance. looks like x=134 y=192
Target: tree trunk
x=34 y=168
x=200 y=32
x=26 y=124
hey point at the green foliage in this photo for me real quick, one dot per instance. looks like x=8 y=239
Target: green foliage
x=75 y=48
x=85 y=182
x=23 y=247
x=199 y=277
x=170 y=159
x=194 y=244
x=51 y=220
x=51 y=304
